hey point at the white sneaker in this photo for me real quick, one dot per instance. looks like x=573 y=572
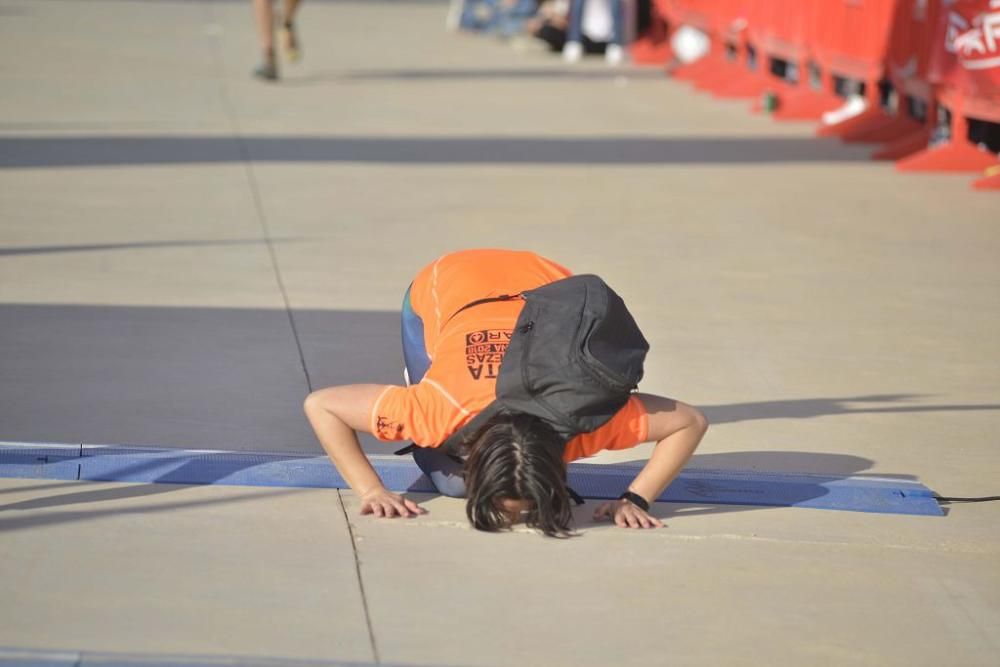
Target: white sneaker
x=614 y=54
x=572 y=52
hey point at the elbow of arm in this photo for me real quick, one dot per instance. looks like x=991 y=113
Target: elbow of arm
x=310 y=404
x=349 y=404
x=316 y=403
x=699 y=420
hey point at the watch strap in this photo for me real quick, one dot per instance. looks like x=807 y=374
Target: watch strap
x=636 y=500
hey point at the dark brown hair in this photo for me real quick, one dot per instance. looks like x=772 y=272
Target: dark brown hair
x=517 y=456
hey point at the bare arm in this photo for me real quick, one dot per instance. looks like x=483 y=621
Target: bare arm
x=677 y=429
x=336 y=413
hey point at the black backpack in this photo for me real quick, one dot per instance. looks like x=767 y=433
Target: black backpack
x=574 y=358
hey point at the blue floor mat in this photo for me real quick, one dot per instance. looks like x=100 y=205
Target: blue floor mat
x=399 y=473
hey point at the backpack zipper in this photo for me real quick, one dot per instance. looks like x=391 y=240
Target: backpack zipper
x=526 y=329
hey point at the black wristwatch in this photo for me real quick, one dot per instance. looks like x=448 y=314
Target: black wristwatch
x=636 y=500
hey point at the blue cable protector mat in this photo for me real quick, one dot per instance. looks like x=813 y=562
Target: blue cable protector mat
x=40 y=461
x=115 y=463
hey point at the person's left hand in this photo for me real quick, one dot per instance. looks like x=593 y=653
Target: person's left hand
x=626 y=515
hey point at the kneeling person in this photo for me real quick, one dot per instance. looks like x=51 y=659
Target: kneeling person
x=455 y=334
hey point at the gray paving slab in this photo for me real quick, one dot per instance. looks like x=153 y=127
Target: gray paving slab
x=799 y=586
x=108 y=66
x=166 y=221
x=168 y=569
x=201 y=378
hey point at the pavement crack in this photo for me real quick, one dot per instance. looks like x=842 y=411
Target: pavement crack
x=361 y=581
x=247 y=159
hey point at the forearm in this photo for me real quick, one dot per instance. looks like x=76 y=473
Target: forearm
x=341 y=444
x=669 y=457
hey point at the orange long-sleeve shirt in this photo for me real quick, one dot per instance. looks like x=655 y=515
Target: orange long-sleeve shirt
x=466 y=350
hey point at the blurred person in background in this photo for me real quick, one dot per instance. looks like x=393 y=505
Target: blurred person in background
x=550 y=24
x=263 y=13
x=505 y=18
x=598 y=21
x=577 y=28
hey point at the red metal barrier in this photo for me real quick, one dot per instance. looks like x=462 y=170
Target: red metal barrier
x=697 y=14
x=857 y=38
x=930 y=53
x=653 y=47
x=779 y=28
x=906 y=68
x=989 y=182
x=730 y=71
x=910 y=52
x=745 y=33
x=965 y=68
x=855 y=45
x=728 y=31
x=808 y=101
x=716 y=67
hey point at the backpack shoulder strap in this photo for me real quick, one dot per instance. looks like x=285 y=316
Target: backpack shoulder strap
x=479 y=302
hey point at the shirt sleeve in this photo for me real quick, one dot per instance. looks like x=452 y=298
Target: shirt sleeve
x=628 y=428
x=422 y=413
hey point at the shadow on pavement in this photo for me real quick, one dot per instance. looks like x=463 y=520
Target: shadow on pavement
x=743 y=481
x=94 y=151
x=806 y=408
x=495 y=74
x=103 y=247
x=785 y=462
x=189 y=378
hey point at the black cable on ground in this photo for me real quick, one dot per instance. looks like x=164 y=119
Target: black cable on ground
x=983 y=499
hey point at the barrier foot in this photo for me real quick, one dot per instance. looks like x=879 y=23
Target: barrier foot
x=717 y=77
x=892 y=128
x=863 y=122
x=805 y=105
x=951 y=157
x=991 y=182
x=904 y=146
x=690 y=71
x=650 y=51
x=747 y=85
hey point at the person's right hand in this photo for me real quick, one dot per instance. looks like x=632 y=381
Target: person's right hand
x=384 y=503
x=626 y=515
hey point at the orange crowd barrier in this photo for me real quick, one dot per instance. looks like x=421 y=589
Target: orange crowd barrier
x=653 y=47
x=907 y=69
x=964 y=70
x=854 y=45
x=816 y=93
x=919 y=65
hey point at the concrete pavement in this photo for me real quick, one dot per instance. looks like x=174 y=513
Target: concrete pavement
x=185 y=252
